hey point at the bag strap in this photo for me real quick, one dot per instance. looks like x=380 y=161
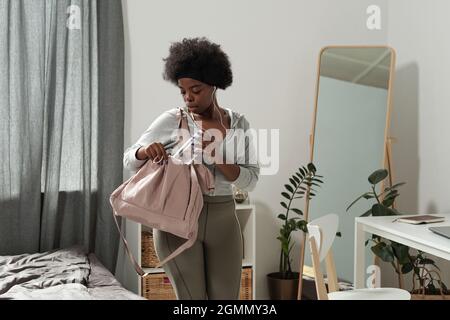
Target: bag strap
x=179 y=250
x=136 y=265
x=182 y=120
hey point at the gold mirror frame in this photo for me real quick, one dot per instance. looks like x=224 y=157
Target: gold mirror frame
x=386 y=162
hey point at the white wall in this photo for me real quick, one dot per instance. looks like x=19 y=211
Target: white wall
x=273 y=47
x=419 y=31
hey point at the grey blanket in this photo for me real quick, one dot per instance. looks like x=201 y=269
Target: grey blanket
x=60 y=274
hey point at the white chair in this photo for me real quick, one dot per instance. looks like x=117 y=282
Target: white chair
x=321 y=234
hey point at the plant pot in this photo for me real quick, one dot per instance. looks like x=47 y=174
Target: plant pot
x=283 y=289
x=416 y=295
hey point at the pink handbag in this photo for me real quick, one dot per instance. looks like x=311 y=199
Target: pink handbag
x=167 y=197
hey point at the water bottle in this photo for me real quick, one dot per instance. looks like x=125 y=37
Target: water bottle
x=189 y=144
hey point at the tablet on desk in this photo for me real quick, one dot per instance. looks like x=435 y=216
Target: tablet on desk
x=421 y=219
x=442 y=231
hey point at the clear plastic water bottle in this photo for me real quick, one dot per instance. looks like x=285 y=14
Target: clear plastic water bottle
x=190 y=145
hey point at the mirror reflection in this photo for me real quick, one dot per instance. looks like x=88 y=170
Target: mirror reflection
x=349 y=136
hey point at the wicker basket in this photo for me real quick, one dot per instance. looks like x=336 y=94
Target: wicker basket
x=157 y=286
x=246 y=284
x=148 y=255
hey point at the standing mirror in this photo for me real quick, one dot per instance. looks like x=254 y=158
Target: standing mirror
x=349 y=137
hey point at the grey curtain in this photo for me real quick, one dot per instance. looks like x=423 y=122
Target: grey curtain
x=61 y=124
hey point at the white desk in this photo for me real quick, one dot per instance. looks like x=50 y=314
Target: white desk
x=414 y=236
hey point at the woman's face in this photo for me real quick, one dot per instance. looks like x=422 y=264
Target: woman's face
x=197 y=95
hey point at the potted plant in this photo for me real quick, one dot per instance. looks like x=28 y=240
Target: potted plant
x=284 y=283
x=427 y=282
x=398 y=255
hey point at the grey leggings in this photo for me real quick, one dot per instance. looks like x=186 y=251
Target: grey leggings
x=211 y=268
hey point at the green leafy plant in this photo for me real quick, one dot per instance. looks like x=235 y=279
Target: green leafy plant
x=389 y=251
x=427 y=274
x=302 y=186
x=398 y=255
x=384 y=200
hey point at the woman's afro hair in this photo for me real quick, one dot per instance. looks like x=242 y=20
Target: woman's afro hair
x=199 y=59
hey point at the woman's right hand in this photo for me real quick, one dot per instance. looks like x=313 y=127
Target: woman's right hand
x=155 y=152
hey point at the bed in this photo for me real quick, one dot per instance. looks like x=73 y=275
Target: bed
x=65 y=274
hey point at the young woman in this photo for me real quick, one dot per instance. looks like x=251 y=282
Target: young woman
x=211 y=268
